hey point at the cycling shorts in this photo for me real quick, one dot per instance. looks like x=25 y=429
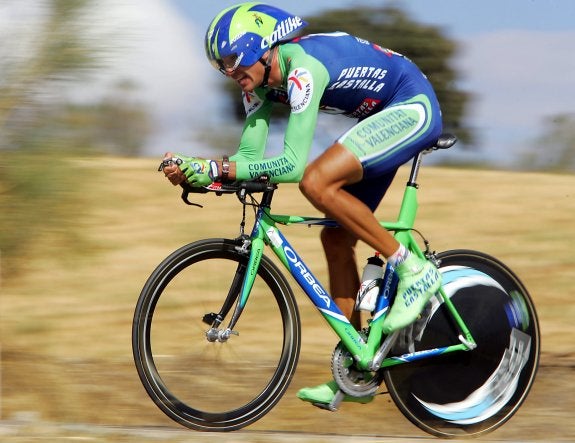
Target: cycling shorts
x=384 y=141
x=371 y=190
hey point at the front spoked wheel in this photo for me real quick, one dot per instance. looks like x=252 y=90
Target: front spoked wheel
x=213 y=385
x=466 y=394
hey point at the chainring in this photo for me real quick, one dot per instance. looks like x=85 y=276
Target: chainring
x=351 y=380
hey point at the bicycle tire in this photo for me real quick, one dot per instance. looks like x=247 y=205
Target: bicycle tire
x=469 y=393
x=213 y=386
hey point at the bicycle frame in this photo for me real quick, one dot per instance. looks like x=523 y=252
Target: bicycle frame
x=210 y=281
x=368 y=352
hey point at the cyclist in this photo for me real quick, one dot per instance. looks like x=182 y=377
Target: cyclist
x=398 y=116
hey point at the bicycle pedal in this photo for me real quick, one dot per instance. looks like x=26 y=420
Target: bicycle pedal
x=333 y=405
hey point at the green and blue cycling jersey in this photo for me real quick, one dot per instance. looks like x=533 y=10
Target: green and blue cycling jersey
x=397 y=110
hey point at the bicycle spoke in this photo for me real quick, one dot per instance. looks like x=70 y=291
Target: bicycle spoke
x=208 y=384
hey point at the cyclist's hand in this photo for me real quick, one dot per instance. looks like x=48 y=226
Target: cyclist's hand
x=169 y=167
x=197 y=171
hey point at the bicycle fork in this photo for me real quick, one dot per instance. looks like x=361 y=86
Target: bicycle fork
x=238 y=293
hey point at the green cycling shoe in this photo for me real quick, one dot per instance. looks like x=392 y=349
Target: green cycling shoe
x=328 y=396
x=419 y=280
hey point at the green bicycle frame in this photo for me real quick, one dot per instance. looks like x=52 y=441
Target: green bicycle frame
x=363 y=349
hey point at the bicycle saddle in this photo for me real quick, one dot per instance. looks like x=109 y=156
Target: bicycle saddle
x=445 y=141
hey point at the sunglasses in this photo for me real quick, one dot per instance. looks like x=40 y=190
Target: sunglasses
x=229 y=64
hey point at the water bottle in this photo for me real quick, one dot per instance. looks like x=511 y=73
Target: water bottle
x=371 y=279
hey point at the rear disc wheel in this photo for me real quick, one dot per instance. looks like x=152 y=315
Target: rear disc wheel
x=466 y=394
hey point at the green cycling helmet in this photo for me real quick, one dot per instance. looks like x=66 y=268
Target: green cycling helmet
x=243 y=33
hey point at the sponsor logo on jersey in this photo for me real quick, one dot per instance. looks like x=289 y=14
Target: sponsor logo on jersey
x=300 y=89
x=360 y=77
x=389 y=52
x=272 y=168
x=251 y=102
x=366 y=107
x=390 y=128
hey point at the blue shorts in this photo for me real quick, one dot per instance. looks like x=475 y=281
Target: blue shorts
x=386 y=140
x=372 y=190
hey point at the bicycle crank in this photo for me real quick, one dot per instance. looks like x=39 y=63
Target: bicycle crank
x=351 y=380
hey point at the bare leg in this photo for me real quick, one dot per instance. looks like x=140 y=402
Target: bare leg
x=339 y=247
x=322 y=185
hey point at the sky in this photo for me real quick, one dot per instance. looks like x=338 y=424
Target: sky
x=515 y=58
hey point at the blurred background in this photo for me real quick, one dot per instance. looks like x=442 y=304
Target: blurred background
x=88 y=87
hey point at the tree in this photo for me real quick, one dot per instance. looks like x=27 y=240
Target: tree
x=34 y=183
x=555 y=149
x=52 y=52
x=117 y=124
x=425 y=45
x=41 y=133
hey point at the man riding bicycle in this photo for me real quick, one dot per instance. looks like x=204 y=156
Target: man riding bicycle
x=398 y=116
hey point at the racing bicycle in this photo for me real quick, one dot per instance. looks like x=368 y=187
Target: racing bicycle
x=216 y=331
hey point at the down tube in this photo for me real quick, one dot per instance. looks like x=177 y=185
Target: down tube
x=316 y=293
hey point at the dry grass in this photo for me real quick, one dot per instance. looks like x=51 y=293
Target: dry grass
x=66 y=321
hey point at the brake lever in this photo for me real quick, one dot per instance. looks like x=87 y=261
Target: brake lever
x=184 y=197
x=186 y=189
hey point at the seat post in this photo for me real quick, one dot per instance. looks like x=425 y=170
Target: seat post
x=445 y=141
x=415 y=166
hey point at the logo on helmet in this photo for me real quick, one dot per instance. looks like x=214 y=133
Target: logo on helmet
x=237 y=37
x=282 y=30
x=258 y=20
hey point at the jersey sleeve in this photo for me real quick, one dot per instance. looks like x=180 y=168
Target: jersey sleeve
x=307 y=78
